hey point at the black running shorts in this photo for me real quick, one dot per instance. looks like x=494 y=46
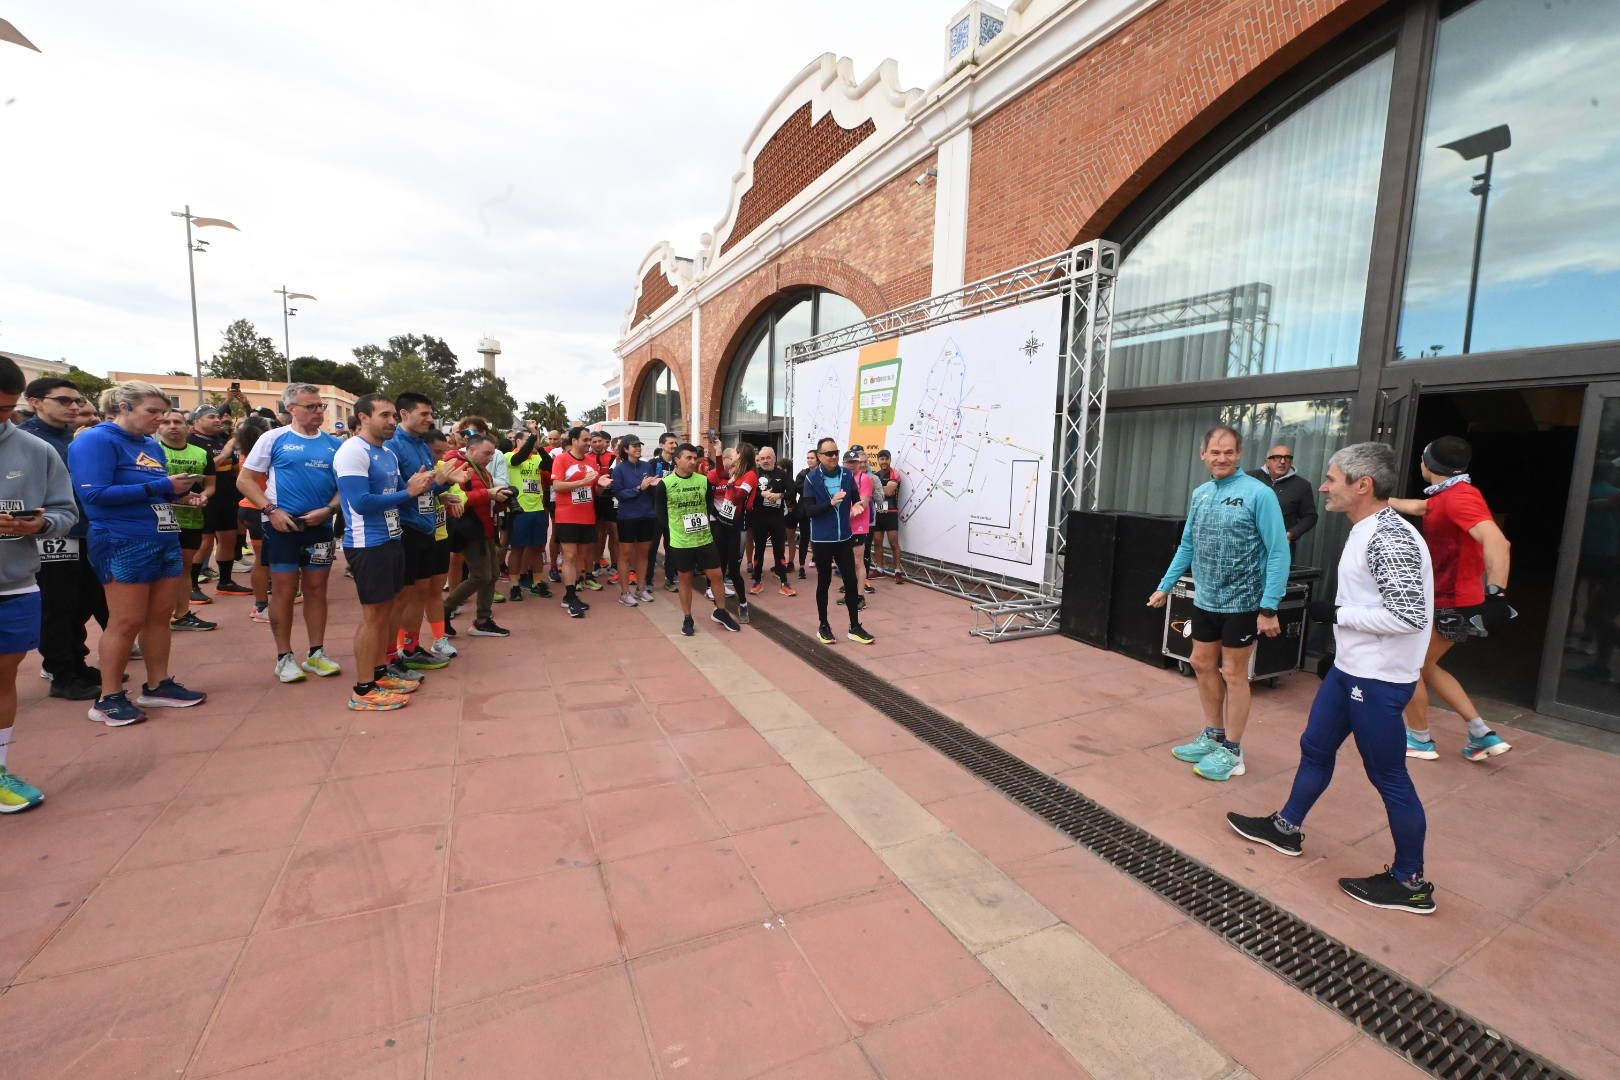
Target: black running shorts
x=1233 y=631
x=379 y=572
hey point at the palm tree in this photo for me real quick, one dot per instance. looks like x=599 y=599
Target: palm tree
x=549 y=413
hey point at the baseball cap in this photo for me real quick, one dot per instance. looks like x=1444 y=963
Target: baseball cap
x=203 y=410
x=852 y=455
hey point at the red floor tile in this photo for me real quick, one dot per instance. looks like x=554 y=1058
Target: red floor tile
x=843 y=1062
x=735 y=1006
x=810 y=860
x=284 y=724
x=381 y=751
x=49 y=845
x=390 y=1054
x=520 y=705
x=380 y=802
x=514 y=783
x=584 y=1028
x=754 y=798
x=635 y=820
x=513 y=844
x=524 y=933
x=32 y=916
x=112 y=780
x=258 y=768
x=527 y=734
x=199 y=828
x=1001 y=829
x=622 y=765
x=667 y=687
x=927 y=775
x=296 y=988
x=1109 y=908
x=600 y=726
x=597 y=696
x=1362 y=1059
x=684 y=717
x=977 y=1034
x=360 y=873
x=677 y=894
x=724 y=750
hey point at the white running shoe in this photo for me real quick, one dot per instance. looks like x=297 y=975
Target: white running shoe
x=708 y=594
x=627 y=600
x=730 y=591
x=287 y=669
x=646 y=596
x=443 y=648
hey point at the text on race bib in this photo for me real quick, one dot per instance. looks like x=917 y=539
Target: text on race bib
x=58 y=549
x=166 y=521
x=581 y=495
x=728 y=510
x=426 y=504
x=391 y=522
x=322 y=553
x=531 y=487
x=695 y=523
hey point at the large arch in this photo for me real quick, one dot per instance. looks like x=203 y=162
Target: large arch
x=639 y=407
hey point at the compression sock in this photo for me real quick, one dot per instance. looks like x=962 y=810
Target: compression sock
x=437 y=628
x=226 y=566
x=196 y=575
x=1216 y=733
x=1477 y=728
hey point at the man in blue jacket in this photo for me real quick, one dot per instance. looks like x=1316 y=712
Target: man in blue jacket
x=828 y=498
x=1237 y=548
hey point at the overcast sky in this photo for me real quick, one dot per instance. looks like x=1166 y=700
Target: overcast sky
x=488 y=168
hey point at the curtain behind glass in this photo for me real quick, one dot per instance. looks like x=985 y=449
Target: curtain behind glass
x=1263 y=267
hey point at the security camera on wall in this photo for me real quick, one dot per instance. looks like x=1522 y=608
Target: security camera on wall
x=927 y=175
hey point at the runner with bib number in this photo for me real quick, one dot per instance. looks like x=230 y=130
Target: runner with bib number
x=691 y=537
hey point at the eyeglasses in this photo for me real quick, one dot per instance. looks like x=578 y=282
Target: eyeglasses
x=319 y=406
x=1280 y=457
x=64 y=400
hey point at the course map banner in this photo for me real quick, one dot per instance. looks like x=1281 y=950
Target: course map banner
x=968 y=410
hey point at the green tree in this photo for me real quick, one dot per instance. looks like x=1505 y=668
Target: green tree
x=89 y=385
x=409 y=372
x=596 y=413
x=478 y=393
x=550 y=413
x=245 y=354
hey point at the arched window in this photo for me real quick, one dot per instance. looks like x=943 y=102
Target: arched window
x=659 y=400
x=755 y=404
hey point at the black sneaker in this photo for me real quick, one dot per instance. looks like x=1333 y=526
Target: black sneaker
x=189 y=621
x=488 y=628
x=516 y=594
x=687 y=626
x=576 y=609
x=723 y=617
x=801 y=573
x=859 y=636
x=449 y=629
x=1384 y=891
x=1264 y=830
x=541 y=590
x=73 y=688
x=200 y=597
x=555 y=576
x=826 y=636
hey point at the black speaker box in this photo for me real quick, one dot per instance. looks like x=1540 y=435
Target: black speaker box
x=1143 y=547
x=1088 y=571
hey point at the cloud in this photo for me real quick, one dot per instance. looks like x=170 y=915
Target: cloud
x=480 y=169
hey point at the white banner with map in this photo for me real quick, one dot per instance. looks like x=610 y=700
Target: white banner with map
x=968 y=411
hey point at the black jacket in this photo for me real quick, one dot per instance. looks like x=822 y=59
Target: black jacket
x=1298 y=500
x=777 y=480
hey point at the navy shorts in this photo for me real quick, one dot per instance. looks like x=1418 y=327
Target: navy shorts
x=20 y=618
x=250 y=519
x=530 y=529
x=312 y=548
x=379 y=571
x=121 y=561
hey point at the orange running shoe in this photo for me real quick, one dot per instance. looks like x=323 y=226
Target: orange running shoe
x=379 y=700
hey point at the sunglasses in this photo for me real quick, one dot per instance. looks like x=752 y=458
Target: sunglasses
x=828 y=453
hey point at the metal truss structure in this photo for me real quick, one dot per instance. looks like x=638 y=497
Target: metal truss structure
x=1084 y=276
x=1243 y=312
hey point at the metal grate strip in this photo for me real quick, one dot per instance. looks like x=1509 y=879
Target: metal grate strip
x=1431 y=1034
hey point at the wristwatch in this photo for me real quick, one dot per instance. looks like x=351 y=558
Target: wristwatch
x=1269 y=612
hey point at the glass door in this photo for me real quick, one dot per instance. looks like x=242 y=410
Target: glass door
x=1580 y=664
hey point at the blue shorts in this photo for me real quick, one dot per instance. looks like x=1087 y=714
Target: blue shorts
x=312 y=548
x=529 y=529
x=122 y=561
x=20 y=617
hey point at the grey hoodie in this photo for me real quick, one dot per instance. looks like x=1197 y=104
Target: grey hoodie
x=32 y=477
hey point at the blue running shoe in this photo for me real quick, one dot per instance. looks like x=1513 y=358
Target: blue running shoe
x=115 y=710
x=17 y=794
x=1220 y=764
x=1199 y=748
x=1487 y=745
x=169 y=694
x=1421 y=748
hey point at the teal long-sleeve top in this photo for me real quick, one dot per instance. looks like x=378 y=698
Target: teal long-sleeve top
x=1236 y=546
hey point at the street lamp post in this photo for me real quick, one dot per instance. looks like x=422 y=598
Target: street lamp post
x=287 y=313
x=192 y=247
x=1486 y=144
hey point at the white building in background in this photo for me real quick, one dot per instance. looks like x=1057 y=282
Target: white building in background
x=489 y=349
x=35 y=367
x=613 y=398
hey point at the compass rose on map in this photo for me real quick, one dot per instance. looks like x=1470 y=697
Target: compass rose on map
x=1032 y=346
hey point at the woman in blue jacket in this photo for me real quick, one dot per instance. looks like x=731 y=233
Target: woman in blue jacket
x=633 y=481
x=120 y=475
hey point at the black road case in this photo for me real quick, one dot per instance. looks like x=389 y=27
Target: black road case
x=1272 y=656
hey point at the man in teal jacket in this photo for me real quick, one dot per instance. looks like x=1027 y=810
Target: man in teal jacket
x=1237 y=548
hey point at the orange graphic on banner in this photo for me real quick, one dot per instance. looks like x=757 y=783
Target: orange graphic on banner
x=877 y=387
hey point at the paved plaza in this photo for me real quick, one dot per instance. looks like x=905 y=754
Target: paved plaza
x=600 y=849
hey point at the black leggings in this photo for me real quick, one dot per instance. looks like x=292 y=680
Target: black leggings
x=769 y=527
x=804 y=541
x=729 y=538
x=841 y=555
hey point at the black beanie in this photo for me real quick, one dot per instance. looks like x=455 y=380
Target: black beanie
x=1448 y=455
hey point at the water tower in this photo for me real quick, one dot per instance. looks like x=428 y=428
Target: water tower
x=489 y=349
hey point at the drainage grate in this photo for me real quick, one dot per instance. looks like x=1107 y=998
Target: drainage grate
x=1431 y=1034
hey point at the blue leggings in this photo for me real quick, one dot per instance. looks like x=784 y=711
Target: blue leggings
x=1371 y=711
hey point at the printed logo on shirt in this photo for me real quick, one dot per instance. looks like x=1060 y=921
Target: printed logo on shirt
x=1232 y=500
x=1355 y=694
x=144 y=460
x=14 y=474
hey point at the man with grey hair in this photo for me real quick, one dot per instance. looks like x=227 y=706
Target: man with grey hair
x=1381 y=619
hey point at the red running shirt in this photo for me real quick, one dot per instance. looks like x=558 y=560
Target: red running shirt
x=1459 y=559
x=576 y=507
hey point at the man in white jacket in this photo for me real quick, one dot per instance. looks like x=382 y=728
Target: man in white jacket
x=1382 y=615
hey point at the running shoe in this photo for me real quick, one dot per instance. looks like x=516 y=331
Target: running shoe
x=859 y=635
x=708 y=594
x=378 y=700
x=877 y=571
x=76 y=688
x=208 y=573
x=16 y=794
x=189 y=621
x=200 y=597
x=581 y=603
x=489 y=628
x=575 y=609
x=318 y=663
x=723 y=617
x=1220 y=764
x=756 y=588
x=287 y=668
x=541 y=590
x=590 y=583
x=742 y=614
x=115 y=710
x=1265 y=830
x=868 y=587
x=729 y=590
x=787 y=590
x=1385 y=891
x=422 y=660
x=1421 y=748
x=449 y=629
x=169 y=694
x=231 y=588
x=801 y=573
x=516 y=594
x=135 y=652
x=1196 y=750
x=1487 y=745
x=442 y=647
x=556 y=576
x=260 y=614
x=687 y=626
x=398 y=670
x=826 y=636
x=498 y=597
x=673 y=587
x=613 y=575
x=646 y=596
x=628 y=600
x=394 y=685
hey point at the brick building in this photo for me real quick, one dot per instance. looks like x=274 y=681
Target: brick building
x=1338 y=219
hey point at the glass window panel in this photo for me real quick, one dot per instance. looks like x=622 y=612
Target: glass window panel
x=1549 y=258
x=837 y=312
x=750 y=387
x=647 y=400
x=793 y=325
x=672 y=397
x=1151 y=463
x=1263 y=267
x=1587 y=673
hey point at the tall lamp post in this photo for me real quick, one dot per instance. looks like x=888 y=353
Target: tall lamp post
x=1486 y=144
x=192 y=247
x=287 y=313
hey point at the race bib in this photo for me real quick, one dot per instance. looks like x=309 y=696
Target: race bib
x=531 y=487
x=438 y=518
x=426 y=504
x=581 y=495
x=58 y=549
x=166 y=521
x=695 y=523
x=391 y=523
x=322 y=553
x=11 y=506
x=728 y=510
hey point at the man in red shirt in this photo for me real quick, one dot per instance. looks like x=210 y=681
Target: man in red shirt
x=1471 y=559
x=602 y=459
x=575 y=479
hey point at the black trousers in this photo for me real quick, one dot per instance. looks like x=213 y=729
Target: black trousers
x=804 y=540
x=771 y=528
x=729 y=539
x=652 y=557
x=72 y=595
x=842 y=556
